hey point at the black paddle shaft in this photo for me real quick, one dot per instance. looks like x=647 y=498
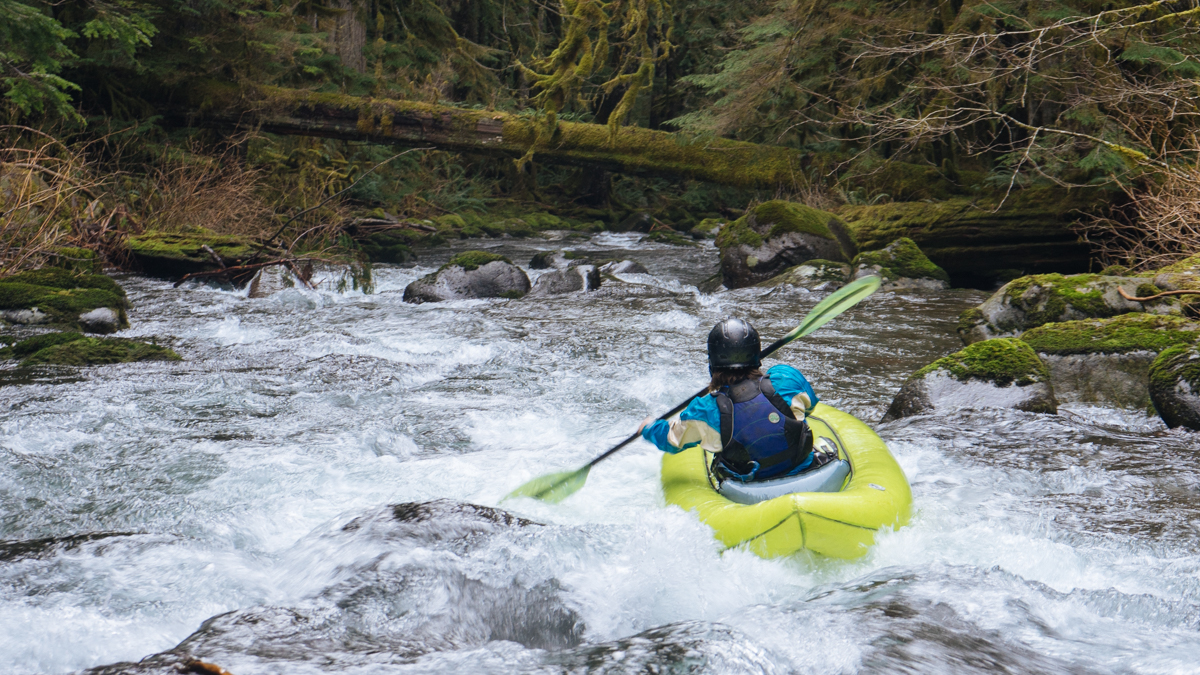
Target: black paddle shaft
x=771 y=349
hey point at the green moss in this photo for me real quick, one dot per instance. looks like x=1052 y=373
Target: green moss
x=1173 y=364
x=708 y=227
x=53 y=277
x=97 y=351
x=513 y=295
x=172 y=255
x=37 y=343
x=902 y=258
x=1062 y=292
x=1003 y=361
x=451 y=220
x=1146 y=290
x=970 y=319
x=1125 y=333
x=1115 y=271
x=62 y=295
x=472 y=260
x=774 y=218
x=74 y=259
x=389 y=246
x=1191 y=264
x=669 y=238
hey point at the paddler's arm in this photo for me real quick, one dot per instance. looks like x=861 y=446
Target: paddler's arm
x=698 y=424
x=794 y=388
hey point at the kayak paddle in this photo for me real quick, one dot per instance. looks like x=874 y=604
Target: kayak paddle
x=555 y=487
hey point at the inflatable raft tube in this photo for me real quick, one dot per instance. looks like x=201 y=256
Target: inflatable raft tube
x=839 y=524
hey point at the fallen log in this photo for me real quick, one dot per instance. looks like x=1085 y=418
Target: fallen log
x=410 y=123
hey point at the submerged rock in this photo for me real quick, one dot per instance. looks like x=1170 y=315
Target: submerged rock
x=622 y=267
x=571 y=280
x=472 y=274
x=1175 y=386
x=73 y=349
x=54 y=296
x=776 y=235
x=1107 y=361
x=824 y=275
x=1000 y=373
x=1032 y=301
x=544 y=260
x=902 y=265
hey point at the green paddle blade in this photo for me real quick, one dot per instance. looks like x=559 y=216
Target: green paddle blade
x=553 y=487
x=841 y=300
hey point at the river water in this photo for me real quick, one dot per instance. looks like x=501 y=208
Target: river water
x=316 y=488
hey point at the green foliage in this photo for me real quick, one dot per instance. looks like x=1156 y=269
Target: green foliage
x=1002 y=361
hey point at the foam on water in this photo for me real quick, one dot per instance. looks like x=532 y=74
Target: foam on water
x=255 y=477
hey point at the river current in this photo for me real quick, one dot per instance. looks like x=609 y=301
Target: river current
x=316 y=489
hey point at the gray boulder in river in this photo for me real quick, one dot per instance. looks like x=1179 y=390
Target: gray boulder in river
x=1001 y=373
x=815 y=275
x=776 y=235
x=1175 y=386
x=472 y=274
x=571 y=280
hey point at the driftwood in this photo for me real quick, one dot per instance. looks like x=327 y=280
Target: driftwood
x=1156 y=296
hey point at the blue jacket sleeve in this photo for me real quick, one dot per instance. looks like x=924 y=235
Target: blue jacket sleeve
x=702 y=408
x=788 y=382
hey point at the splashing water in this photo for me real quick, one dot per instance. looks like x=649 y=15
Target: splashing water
x=316 y=489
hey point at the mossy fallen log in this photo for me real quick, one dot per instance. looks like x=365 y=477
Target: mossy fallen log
x=174 y=255
x=489 y=132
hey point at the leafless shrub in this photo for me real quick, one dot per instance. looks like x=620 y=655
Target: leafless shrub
x=41 y=184
x=1161 y=224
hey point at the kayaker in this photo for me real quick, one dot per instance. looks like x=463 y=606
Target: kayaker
x=753 y=422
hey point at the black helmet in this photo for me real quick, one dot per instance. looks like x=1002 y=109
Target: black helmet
x=733 y=343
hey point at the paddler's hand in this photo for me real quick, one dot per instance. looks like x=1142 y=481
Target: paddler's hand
x=646 y=422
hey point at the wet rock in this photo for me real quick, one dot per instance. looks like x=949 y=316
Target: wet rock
x=544 y=260
x=1000 y=373
x=54 y=296
x=73 y=349
x=708 y=228
x=1032 y=301
x=571 y=280
x=473 y=274
x=902 y=265
x=1107 y=361
x=1175 y=386
x=270 y=280
x=776 y=235
x=622 y=267
x=826 y=275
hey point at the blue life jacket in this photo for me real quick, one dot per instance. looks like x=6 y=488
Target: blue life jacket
x=760 y=435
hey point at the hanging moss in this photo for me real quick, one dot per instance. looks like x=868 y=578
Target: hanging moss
x=1125 y=333
x=472 y=260
x=1002 y=361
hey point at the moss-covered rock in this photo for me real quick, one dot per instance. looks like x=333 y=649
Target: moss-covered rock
x=574 y=279
x=974 y=238
x=1175 y=386
x=816 y=274
x=544 y=260
x=1032 y=301
x=776 y=235
x=471 y=274
x=1181 y=276
x=1107 y=361
x=901 y=264
x=1000 y=373
x=73 y=349
x=708 y=228
x=55 y=296
x=173 y=255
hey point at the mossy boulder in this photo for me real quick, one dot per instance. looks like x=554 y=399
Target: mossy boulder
x=1107 y=361
x=975 y=238
x=708 y=228
x=1175 y=386
x=776 y=235
x=471 y=274
x=815 y=275
x=1181 y=276
x=544 y=260
x=1035 y=300
x=73 y=349
x=901 y=264
x=54 y=296
x=1000 y=373
x=175 y=254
